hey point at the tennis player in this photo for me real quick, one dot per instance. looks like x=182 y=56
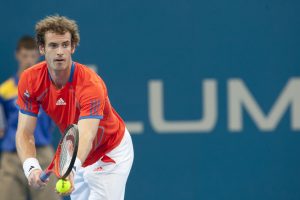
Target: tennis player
x=70 y=93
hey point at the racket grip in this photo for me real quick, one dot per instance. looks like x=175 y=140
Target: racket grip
x=44 y=176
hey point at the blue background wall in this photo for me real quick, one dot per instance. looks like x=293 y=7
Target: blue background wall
x=182 y=43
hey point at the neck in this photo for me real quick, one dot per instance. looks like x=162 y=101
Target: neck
x=60 y=77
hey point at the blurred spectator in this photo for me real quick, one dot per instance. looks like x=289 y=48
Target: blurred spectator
x=13 y=184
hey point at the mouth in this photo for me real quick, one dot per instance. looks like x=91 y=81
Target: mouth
x=59 y=60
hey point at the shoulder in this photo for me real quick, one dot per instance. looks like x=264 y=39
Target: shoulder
x=8 y=89
x=35 y=71
x=34 y=76
x=33 y=79
x=85 y=75
x=86 y=80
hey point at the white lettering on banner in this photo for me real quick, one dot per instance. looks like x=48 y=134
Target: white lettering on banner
x=239 y=97
x=204 y=125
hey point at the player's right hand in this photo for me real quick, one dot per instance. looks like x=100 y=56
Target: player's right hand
x=35 y=181
x=71 y=179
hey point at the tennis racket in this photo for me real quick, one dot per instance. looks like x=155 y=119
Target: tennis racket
x=65 y=155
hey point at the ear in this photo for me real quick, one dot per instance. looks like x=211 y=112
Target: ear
x=42 y=49
x=73 y=49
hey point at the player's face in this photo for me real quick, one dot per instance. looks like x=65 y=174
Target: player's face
x=26 y=58
x=58 y=50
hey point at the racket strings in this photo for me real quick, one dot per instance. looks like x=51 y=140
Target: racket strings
x=67 y=150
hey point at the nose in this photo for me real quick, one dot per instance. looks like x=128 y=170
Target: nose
x=59 y=51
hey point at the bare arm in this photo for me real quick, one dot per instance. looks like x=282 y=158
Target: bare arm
x=26 y=149
x=87 y=131
x=25 y=137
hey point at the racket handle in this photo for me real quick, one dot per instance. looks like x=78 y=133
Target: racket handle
x=44 y=176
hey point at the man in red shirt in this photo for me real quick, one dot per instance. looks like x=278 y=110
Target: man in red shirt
x=71 y=93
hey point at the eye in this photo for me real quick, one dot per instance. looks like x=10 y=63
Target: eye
x=52 y=45
x=65 y=45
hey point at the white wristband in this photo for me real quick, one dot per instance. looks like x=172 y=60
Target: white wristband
x=77 y=165
x=29 y=165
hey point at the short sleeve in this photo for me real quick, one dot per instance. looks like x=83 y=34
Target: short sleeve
x=92 y=100
x=26 y=100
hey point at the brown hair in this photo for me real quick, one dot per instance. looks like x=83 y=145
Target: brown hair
x=57 y=24
x=26 y=42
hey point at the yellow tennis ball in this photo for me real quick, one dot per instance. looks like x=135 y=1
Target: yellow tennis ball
x=63 y=186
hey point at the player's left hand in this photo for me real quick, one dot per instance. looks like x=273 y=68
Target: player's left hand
x=71 y=179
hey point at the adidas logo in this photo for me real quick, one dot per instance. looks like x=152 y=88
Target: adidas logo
x=26 y=94
x=60 y=102
x=98 y=169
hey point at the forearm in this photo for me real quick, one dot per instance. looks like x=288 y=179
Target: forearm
x=87 y=131
x=25 y=137
x=25 y=144
x=85 y=146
